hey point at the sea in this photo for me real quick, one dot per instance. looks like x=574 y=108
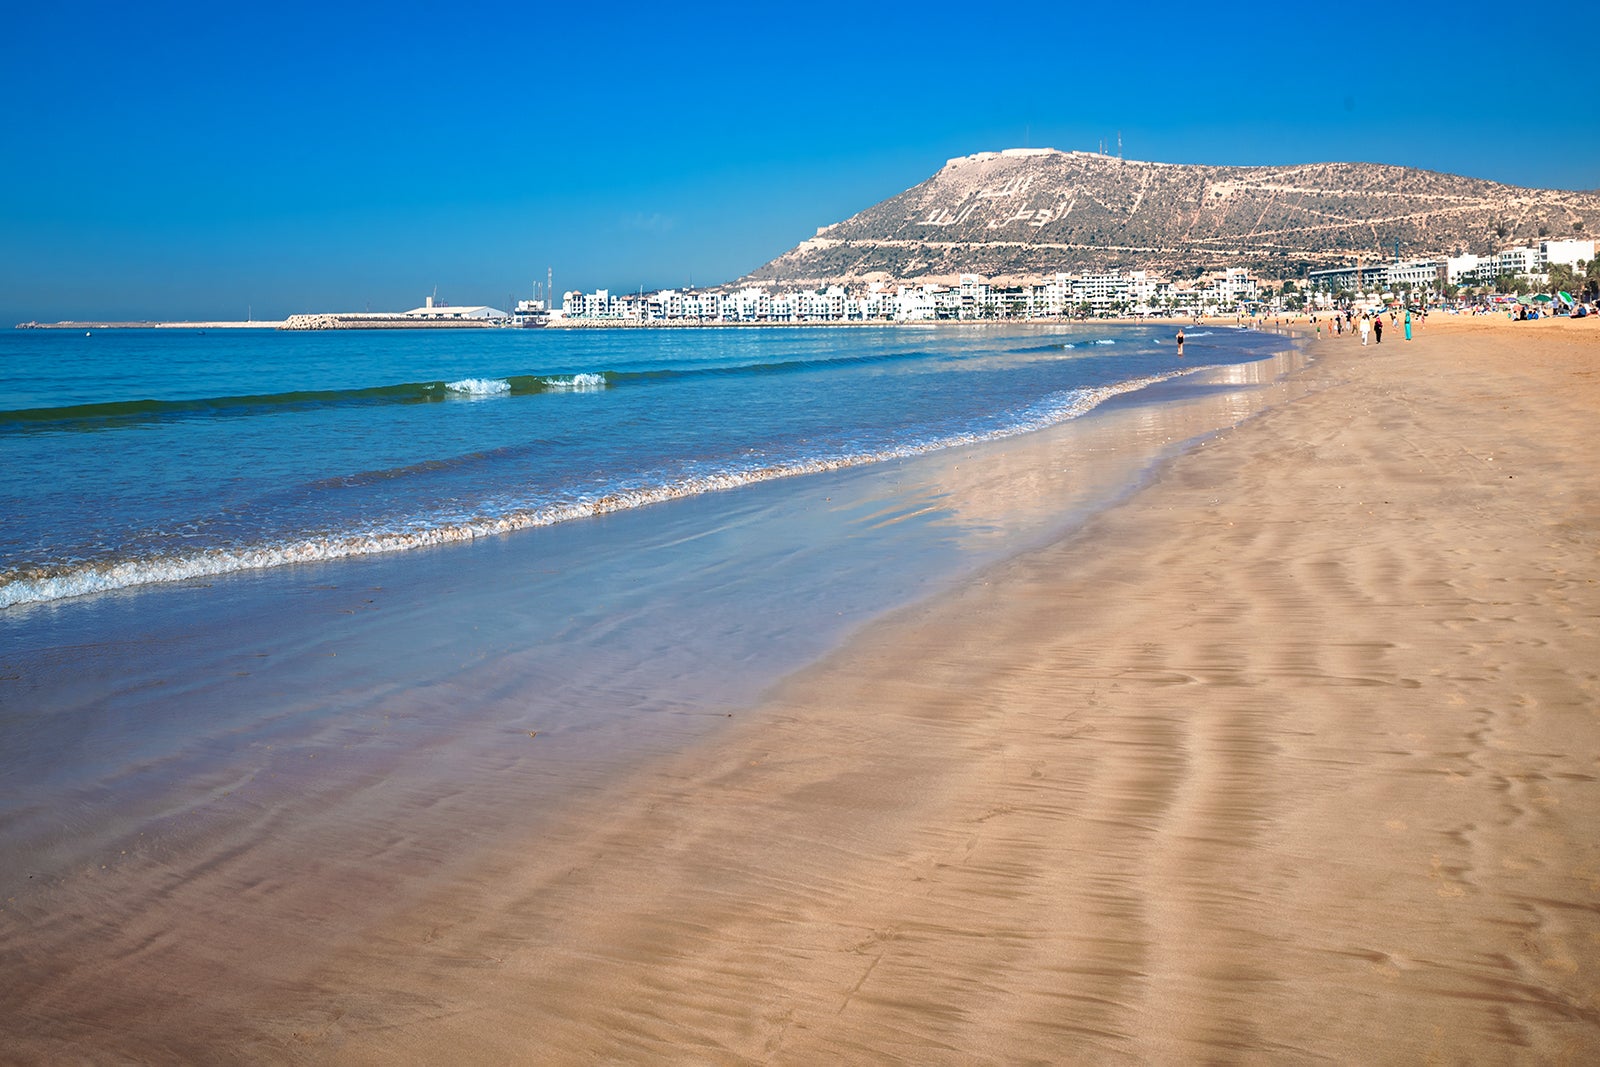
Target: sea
x=141 y=457
x=339 y=611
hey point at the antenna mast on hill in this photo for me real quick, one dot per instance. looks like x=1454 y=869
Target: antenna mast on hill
x=1119 y=144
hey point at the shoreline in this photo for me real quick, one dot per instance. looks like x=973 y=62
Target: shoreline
x=1248 y=766
x=264 y=766
x=1288 y=322
x=1314 y=780
x=1045 y=320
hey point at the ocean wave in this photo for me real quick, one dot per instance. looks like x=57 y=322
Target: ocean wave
x=114 y=414
x=122 y=413
x=40 y=585
x=480 y=387
x=576 y=383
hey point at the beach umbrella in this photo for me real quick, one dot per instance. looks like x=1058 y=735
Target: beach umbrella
x=1543 y=298
x=1563 y=294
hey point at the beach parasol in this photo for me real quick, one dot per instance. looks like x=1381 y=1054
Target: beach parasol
x=1563 y=294
x=1543 y=298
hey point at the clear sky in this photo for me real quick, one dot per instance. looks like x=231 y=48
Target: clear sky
x=165 y=160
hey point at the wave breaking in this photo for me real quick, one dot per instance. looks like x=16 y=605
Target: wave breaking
x=29 y=585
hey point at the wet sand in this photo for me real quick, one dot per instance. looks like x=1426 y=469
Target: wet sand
x=1293 y=756
x=1290 y=756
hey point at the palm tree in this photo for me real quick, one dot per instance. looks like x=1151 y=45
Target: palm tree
x=1561 y=277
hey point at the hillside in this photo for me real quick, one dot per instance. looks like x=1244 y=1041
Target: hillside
x=1028 y=212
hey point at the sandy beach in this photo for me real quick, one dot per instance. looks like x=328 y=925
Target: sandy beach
x=1317 y=780
x=1290 y=756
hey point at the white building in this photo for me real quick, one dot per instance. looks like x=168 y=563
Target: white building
x=1567 y=253
x=1052 y=298
x=1236 y=285
x=595 y=305
x=430 y=310
x=747 y=305
x=973 y=298
x=1417 y=273
x=1516 y=261
x=915 y=304
x=1143 y=290
x=1462 y=268
x=1103 y=293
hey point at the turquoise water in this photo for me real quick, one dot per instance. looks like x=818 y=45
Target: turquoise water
x=144 y=456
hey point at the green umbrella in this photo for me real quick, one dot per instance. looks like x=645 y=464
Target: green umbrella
x=1566 y=296
x=1543 y=298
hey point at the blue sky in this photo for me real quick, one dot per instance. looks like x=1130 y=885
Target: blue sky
x=187 y=161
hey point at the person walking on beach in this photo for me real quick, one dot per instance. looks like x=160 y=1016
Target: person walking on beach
x=1366 y=327
x=1180 y=342
x=1377 y=329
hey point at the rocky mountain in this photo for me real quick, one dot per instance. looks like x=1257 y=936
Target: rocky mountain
x=1023 y=213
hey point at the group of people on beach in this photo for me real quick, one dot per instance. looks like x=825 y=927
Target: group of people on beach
x=1369 y=325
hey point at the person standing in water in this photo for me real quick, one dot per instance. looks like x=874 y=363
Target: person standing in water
x=1180 y=342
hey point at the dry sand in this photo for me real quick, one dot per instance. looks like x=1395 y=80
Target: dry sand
x=1290 y=757
x=1293 y=756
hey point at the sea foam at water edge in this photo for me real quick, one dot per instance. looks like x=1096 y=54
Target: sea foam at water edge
x=21 y=587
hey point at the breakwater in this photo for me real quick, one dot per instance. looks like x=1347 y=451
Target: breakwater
x=95 y=324
x=380 y=322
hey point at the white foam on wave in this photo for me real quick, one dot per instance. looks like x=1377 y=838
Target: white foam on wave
x=1103 y=341
x=105 y=577
x=576 y=383
x=480 y=387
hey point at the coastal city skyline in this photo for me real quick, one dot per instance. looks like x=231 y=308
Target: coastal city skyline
x=173 y=167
